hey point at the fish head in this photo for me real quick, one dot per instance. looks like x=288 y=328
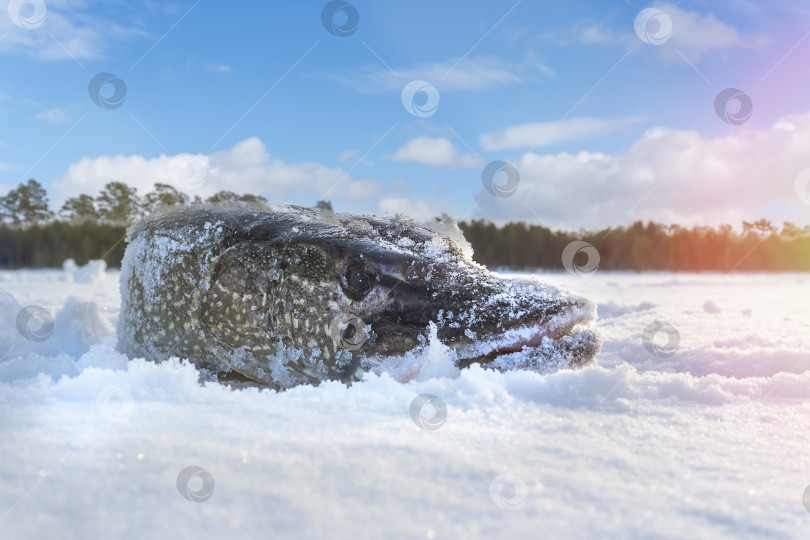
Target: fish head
x=345 y=293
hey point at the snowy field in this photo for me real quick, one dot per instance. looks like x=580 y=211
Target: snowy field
x=707 y=440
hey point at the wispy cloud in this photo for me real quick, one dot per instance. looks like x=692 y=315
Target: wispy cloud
x=473 y=74
x=219 y=68
x=349 y=156
x=69 y=30
x=54 y=116
x=436 y=151
x=693 y=35
x=540 y=134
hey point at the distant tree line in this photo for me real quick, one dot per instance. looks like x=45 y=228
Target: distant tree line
x=759 y=247
x=88 y=227
x=85 y=227
x=117 y=204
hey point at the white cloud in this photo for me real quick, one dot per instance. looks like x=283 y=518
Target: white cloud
x=347 y=155
x=596 y=33
x=219 y=68
x=54 y=116
x=693 y=34
x=668 y=176
x=68 y=30
x=471 y=74
x=436 y=151
x=548 y=133
x=246 y=168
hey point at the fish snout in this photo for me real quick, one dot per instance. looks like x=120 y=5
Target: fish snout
x=498 y=307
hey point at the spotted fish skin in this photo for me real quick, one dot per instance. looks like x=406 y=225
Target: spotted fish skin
x=288 y=295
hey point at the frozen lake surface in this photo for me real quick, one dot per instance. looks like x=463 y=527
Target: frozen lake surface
x=704 y=433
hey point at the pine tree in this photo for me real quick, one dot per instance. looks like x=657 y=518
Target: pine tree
x=27 y=204
x=79 y=208
x=229 y=197
x=164 y=196
x=119 y=203
x=324 y=205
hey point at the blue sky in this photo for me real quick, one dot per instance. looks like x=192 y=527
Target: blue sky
x=604 y=125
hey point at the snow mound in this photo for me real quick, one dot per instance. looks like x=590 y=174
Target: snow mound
x=710 y=307
x=609 y=310
x=33 y=341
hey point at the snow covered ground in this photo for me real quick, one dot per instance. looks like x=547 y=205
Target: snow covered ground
x=707 y=440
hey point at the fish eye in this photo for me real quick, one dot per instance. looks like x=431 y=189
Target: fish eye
x=358 y=279
x=349 y=332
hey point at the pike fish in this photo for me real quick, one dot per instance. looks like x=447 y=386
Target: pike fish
x=286 y=295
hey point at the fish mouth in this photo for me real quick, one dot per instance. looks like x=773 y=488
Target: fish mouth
x=569 y=341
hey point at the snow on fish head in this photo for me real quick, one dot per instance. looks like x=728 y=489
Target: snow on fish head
x=294 y=295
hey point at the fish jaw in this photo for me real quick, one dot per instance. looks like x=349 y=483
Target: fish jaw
x=534 y=347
